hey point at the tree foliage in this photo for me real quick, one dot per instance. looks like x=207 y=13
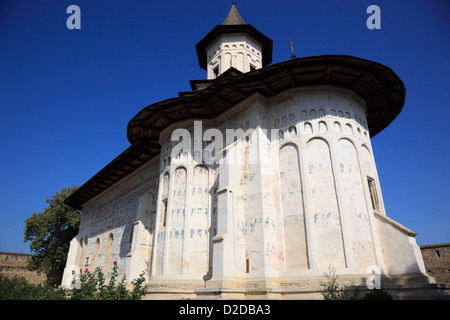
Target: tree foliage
x=50 y=233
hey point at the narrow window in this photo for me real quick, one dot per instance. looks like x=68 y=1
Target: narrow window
x=164 y=211
x=130 y=239
x=108 y=254
x=373 y=194
x=216 y=72
x=438 y=253
x=280 y=135
x=95 y=255
x=292 y=131
x=252 y=68
x=165 y=194
x=83 y=249
x=247 y=265
x=86 y=263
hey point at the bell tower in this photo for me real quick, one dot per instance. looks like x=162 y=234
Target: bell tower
x=233 y=44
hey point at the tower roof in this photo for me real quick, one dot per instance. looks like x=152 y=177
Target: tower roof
x=233 y=16
x=234 y=24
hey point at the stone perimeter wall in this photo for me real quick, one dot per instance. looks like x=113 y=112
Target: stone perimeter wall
x=13 y=263
x=437 y=261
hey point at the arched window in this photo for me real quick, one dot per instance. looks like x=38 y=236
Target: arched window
x=308 y=127
x=95 y=256
x=80 y=254
x=108 y=253
x=323 y=126
x=82 y=257
x=292 y=131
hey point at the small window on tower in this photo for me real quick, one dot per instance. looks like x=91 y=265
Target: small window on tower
x=164 y=212
x=216 y=72
x=373 y=195
x=252 y=68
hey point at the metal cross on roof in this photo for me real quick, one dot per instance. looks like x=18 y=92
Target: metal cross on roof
x=292 y=48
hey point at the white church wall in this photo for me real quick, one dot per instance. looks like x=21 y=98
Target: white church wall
x=175 y=224
x=300 y=212
x=327 y=218
x=303 y=205
x=187 y=200
x=355 y=206
x=315 y=121
x=401 y=254
x=111 y=219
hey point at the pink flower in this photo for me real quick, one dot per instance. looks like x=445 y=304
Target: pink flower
x=115 y=262
x=48 y=290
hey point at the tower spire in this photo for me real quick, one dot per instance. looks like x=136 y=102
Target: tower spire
x=233 y=16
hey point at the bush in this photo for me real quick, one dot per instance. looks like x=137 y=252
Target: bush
x=91 y=286
x=332 y=290
x=87 y=286
x=378 y=294
x=18 y=288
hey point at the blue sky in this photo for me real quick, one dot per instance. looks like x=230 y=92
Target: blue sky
x=66 y=96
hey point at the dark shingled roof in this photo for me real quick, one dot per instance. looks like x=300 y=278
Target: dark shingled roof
x=233 y=16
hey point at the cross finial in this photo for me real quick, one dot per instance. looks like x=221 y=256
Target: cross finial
x=292 y=48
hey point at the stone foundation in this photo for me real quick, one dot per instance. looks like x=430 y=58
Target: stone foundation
x=401 y=287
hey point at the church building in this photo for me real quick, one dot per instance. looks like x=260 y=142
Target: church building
x=254 y=183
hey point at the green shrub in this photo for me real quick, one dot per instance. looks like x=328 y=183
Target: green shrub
x=86 y=286
x=378 y=294
x=91 y=286
x=332 y=290
x=18 y=288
